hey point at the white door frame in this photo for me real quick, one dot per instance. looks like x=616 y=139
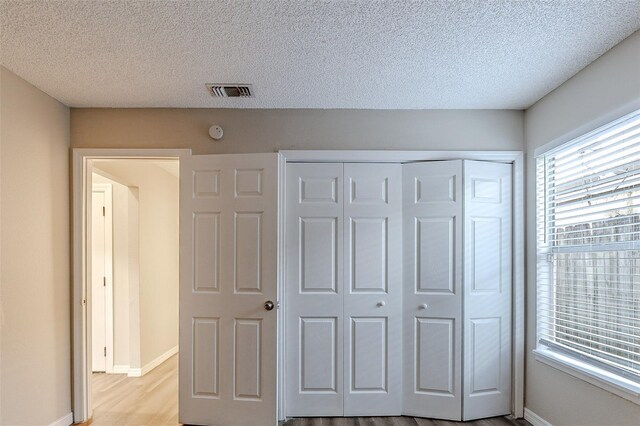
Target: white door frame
x=81 y=169
x=516 y=158
x=108 y=269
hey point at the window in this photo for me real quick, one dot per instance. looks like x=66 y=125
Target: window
x=588 y=201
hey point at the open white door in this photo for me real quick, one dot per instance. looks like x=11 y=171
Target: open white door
x=98 y=284
x=433 y=289
x=487 y=297
x=101 y=279
x=228 y=271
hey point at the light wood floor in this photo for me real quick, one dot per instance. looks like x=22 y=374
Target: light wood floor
x=152 y=400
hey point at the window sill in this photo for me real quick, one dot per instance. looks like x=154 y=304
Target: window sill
x=617 y=385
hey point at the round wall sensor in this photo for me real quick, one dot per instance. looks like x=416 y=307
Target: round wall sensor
x=216 y=132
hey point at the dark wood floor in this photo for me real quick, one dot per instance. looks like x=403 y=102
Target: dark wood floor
x=400 y=421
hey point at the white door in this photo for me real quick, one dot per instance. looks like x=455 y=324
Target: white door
x=487 y=298
x=314 y=289
x=343 y=293
x=372 y=289
x=432 y=209
x=228 y=271
x=98 y=283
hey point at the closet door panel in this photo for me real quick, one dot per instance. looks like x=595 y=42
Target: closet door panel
x=487 y=308
x=314 y=290
x=432 y=215
x=373 y=285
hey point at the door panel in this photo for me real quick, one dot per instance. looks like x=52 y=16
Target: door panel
x=368 y=255
x=432 y=210
x=487 y=314
x=435 y=344
x=248 y=359
x=369 y=366
x=318 y=254
x=372 y=301
x=248 y=252
x=206 y=356
x=228 y=237
x=435 y=256
x=206 y=267
x=319 y=358
x=485 y=370
x=314 y=287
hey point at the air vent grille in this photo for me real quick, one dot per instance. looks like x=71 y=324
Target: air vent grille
x=230 y=90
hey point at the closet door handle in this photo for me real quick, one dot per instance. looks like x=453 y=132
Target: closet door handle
x=381 y=303
x=423 y=306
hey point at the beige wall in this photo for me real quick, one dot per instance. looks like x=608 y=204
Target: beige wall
x=606 y=89
x=271 y=130
x=158 y=195
x=34 y=189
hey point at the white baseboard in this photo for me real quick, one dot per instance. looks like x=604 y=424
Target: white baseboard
x=134 y=372
x=120 y=369
x=139 y=372
x=535 y=419
x=65 y=420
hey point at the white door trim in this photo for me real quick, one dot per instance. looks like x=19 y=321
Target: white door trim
x=108 y=268
x=516 y=158
x=347 y=156
x=81 y=213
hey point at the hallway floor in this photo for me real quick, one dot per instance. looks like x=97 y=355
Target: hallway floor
x=148 y=400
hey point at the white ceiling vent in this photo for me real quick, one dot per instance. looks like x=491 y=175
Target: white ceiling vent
x=230 y=90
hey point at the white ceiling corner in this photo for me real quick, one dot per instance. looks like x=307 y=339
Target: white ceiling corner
x=308 y=54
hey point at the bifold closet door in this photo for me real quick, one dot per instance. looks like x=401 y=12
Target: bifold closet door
x=487 y=289
x=457 y=297
x=364 y=239
x=343 y=289
x=314 y=290
x=373 y=289
x=432 y=204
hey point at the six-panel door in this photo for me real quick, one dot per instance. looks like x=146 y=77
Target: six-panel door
x=228 y=270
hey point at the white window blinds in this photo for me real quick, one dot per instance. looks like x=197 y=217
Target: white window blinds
x=588 y=200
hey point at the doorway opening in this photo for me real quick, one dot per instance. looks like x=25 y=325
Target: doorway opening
x=129 y=270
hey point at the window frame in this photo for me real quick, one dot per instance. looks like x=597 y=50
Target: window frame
x=576 y=366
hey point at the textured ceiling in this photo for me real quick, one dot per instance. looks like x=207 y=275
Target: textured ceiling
x=308 y=54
